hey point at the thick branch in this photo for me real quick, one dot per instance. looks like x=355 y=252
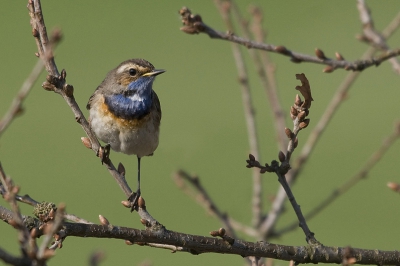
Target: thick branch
x=200 y=244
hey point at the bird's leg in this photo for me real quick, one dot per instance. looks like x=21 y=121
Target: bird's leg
x=135 y=196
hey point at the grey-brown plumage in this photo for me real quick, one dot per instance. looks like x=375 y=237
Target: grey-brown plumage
x=125 y=112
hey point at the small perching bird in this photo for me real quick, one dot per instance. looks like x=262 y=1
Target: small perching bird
x=125 y=112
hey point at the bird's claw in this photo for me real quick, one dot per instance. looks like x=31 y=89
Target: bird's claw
x=104 y=154
x=134 y=199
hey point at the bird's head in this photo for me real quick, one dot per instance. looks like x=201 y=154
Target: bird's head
x=128 y=89
x=136 y=76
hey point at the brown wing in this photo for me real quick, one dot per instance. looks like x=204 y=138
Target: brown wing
x=89 y=104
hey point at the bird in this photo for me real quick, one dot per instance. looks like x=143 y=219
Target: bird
x=125 y=112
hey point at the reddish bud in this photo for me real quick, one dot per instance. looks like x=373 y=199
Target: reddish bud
x=281 y=156
x=103 y=220
x=304 y=124
x=301 y=115
x=288 y=132
x=320 y=54
x=129 y=243
x=126 y=203
x=328 y=69
x=293 y=113
x=86 y=142
x=394 y=186
x=339 y=56
x=282 y=50
x=214 y=233
x=142 y=203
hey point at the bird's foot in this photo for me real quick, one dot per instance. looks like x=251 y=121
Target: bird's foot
x=104 y=154
x=134 y=199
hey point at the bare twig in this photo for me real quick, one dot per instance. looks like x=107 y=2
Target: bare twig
x=269 y=69
x=298 y=112
x=206 y=200
x=317 y=132
x=193 y=24
x=16 y=106
x=57 y=83
x=17 y=219
x=361 y=175
x=265 y=73
x=372 y=36
x=224 y=9
x=12 y=260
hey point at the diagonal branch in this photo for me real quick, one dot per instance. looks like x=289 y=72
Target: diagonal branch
x=57 y=82
x=193 y=24
x=16 y=106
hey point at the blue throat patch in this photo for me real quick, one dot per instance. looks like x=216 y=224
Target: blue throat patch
x=126 y=106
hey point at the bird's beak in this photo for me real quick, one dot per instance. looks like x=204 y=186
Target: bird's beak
x=155 y=72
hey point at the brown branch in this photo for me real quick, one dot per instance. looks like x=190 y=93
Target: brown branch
x=16 y=106
x=271 y=88
x=200 y=244
x=223 y=8
x=372 y=36
x=277 y=206
x=265 y=73
x=57 y=82
x=298 y=112
x=16 y=216
x=205 y=199
x=12 y=260
x=193 y=24
x=361 y=175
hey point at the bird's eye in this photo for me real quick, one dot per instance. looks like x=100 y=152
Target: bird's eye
x=132 y=71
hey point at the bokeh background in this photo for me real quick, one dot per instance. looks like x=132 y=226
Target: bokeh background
x=203 y=126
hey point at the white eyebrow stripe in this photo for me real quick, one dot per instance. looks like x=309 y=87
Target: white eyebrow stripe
x=121 y=69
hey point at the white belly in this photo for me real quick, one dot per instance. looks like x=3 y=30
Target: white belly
x=139 y=137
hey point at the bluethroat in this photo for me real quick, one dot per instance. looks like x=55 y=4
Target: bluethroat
x=125 y=112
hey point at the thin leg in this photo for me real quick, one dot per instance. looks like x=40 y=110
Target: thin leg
x=138 y=175
x=135 y=196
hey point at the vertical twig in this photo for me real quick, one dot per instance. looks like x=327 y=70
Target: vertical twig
x=265 y=72
x=316 y=133
x=362 y=174
x=224 y=7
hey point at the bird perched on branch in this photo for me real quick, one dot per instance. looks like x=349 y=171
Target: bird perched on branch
x=125 y=112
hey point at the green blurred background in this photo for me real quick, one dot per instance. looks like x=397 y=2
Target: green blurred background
x=203 y=127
